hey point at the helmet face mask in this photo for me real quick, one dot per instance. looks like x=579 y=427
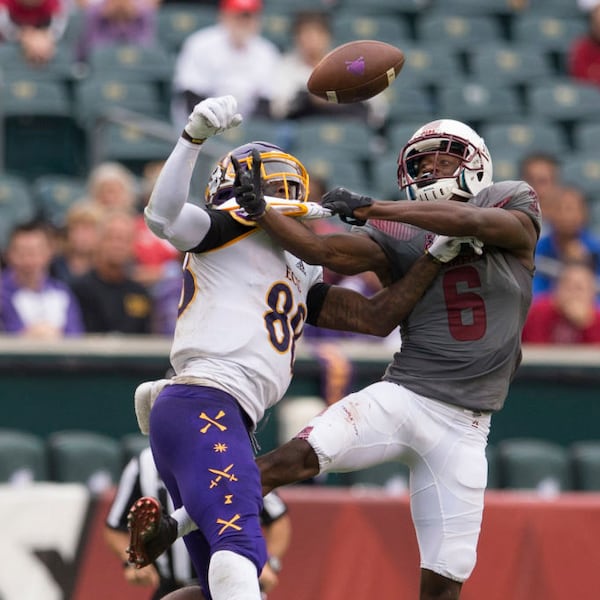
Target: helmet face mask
x=283 y=175
x=441 y=143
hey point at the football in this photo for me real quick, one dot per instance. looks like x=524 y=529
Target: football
x=355 y=71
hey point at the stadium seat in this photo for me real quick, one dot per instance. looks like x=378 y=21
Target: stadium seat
x=399 y=133
x=37 y=121
x=14 y=65
x=97 y=96
x=54 y=195
x=132 y=144
x=564 y=100
x=557 y=8
x=585 y=460
x=506 y=64
x=384 y=177
x=524 y=137
x=475 y=102
x=547 y=32
x=506 y=166
x=336 y=169
x=458 y=32
x=132 y=444
x=475 y=7
x=85 y=457
x=16 y=205
x=277 y=27
x=385 y=28
x=22 y=457
x=582 y=170
x=586 y=136
x=414 y=103
x=352 y=138
x=431 y=65
x=407 y=7
x=131 y=62
x=535 y=464
x=176 y=21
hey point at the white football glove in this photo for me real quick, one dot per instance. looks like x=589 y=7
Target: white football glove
x=446 y=248
x=212 y=116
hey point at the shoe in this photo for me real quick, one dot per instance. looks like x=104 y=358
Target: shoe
x=151 y=531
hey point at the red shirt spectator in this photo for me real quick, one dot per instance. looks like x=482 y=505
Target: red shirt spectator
x=584 y=56
x=569 y=315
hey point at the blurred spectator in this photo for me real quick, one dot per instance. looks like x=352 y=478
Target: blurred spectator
x=34 y=304
x=112 y=185
x=586 y=5
x=37 y=25
x=156 y=258
x=312 y=40
x=542 y=172
x=569 y=314
x=110 y=299
x=230 y=57
x=584 y=53
x=166 y=294
x=109 y=22
x=79 y=240
x=568 y=240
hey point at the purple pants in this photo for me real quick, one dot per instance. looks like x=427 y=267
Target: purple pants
x=203 y=452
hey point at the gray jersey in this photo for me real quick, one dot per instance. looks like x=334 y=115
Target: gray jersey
x=462 y=342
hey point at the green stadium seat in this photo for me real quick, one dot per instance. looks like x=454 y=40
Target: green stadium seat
x=37 y=121
x=176 y=21
x=335 y=170
x=385 y=28
x=384 y=176
x=564 y=100
x=97 y=96
x=458 y=32
x=55 y=194
x=132 y=144
x=431 y=65
x=582 y=170
x=22 y=457
x=132 y=444
x=554 y=8
x=399 y=133
x=14 y=65
x=476 y=102
x=277 y=27
x=533 y=464
x=406 y=7
x=414 y=103
x=507 y=64
x=586 y=136
x=552 y=32
x=524 y=137
x=352 y=138
x=585 y=460
x=475 y=7
x=85 y=457
x=16 y=205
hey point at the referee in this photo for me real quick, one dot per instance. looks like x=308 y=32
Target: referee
x=173 y=570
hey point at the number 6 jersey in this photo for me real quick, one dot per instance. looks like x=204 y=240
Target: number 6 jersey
x=462 y=342
x=242 y=309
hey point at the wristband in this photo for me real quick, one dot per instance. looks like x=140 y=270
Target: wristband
x=435 y=260
x=275 y=564
x=186 y=136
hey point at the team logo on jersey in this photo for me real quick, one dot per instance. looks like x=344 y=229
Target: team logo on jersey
x=222 y=474
x=212 y=422
x=300 y=267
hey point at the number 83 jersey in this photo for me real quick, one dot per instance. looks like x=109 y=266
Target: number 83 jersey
x=241 y=312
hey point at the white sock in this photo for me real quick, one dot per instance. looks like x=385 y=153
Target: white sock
x=232 y=576
x=185 y=524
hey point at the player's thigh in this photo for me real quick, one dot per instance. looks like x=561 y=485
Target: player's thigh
x=447 y=486
x=362 y=429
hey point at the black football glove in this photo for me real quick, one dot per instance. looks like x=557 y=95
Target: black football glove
x=343 y=202
x=247 y=187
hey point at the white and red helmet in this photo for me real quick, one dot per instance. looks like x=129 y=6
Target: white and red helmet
x=445 y=136
x=278 y=168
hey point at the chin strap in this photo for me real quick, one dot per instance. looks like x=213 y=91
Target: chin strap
x=462 y=193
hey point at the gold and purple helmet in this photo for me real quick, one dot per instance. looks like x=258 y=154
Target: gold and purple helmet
x=283 y=175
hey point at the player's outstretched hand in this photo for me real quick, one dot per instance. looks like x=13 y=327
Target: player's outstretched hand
x=343 y=202
x=212 y=116
x=446 y=248
x=247 y=186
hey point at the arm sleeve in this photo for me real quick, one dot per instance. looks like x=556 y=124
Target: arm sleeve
x=168 y=214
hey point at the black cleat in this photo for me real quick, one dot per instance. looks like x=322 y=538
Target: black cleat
x=151 y=531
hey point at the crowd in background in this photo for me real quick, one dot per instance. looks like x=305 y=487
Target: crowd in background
x=103 y=271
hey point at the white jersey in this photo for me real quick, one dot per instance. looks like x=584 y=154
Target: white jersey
x=242 y=309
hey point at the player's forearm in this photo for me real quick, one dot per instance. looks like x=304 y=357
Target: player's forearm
x=379 y=315
x=446 y=217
